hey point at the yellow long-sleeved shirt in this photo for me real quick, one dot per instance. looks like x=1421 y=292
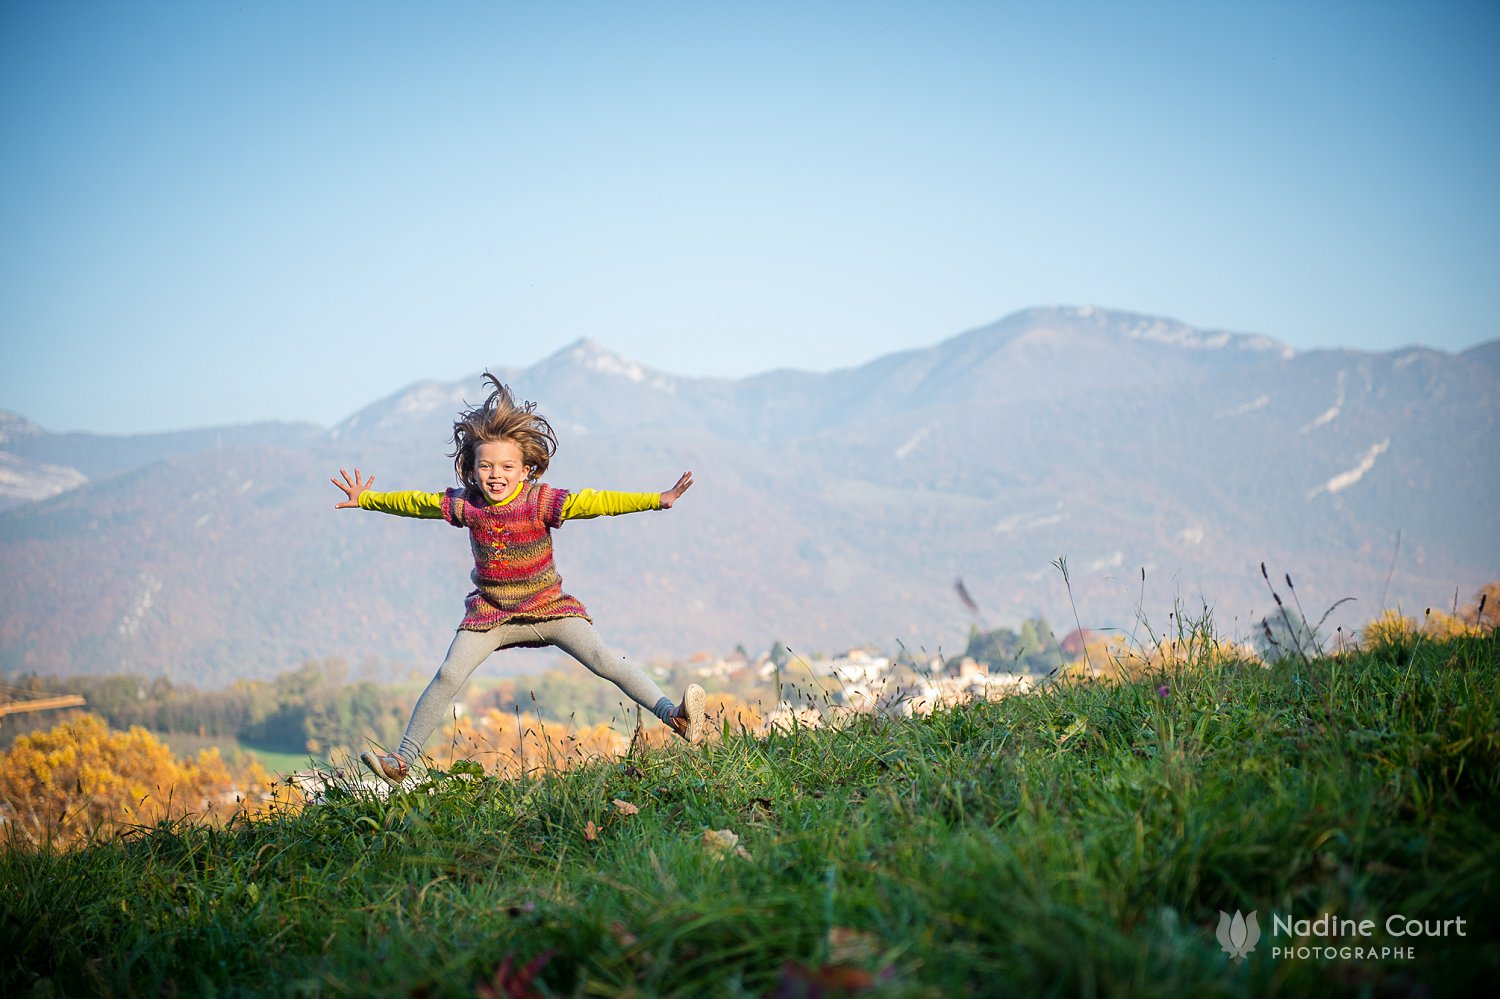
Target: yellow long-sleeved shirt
x=582 y=505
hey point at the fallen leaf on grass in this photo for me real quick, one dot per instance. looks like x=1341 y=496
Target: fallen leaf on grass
x=1079 y=726
x=590 y=831
x=846 y=946
x=800 y=982
x=759 y=806
x=625 y=807
x=515 y=983
x=720 y=842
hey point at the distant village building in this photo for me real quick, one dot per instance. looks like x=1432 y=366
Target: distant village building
x=969 y=681
x=858 y=666
x=966 y=668
x=1075 y=641
x=706 y=666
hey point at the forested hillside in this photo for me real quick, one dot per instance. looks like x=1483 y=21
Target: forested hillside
x=1162 y=462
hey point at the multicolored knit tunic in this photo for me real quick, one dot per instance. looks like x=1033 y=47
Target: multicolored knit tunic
x=515 y=577
x=514 y=574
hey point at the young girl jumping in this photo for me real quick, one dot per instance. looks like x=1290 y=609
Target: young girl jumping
x=500 y=450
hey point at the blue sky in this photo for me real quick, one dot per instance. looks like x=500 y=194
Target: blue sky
x=223 y=212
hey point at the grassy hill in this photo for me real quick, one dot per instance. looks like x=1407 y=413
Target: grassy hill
x=1081 y=841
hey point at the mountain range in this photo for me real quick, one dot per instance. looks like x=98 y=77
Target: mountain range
x=1160 y=464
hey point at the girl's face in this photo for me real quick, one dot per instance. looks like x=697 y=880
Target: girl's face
x=498 y=469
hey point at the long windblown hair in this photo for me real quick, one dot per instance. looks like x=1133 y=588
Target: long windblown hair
x=501 y=418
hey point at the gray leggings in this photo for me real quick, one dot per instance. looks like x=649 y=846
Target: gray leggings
x=574 y=635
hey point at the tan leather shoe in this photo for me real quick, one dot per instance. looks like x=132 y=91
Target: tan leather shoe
x=690 y=720
x=389 y=768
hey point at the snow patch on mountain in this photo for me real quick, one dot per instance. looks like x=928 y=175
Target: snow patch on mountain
x=130 y=621
x=1259 y=402
x=1160 y=331
x=1019 y=523
x=411 y=405
x=1344 y=480
x=1111 y=561
x=587 y=354
x=23 y=481
x=1330 y=414
x=14 y=426
x=912 y=442
x=1172 y=333
x=428 y=396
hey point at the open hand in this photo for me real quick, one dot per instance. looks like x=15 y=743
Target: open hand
x=670 y=496
x=352 y=488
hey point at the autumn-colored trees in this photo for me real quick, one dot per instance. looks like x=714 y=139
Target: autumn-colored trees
x=1480 y=616
x=82 y=778
x=315 y=708
x=1112 y=657
x=509 y=743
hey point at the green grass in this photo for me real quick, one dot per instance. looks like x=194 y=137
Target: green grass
x=1081 y=841
x=282 y=763
x=235 y=752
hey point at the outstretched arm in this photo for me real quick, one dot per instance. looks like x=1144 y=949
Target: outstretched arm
x=352 y=488
x=588 y=503
x=411 y=503
x=672 y=495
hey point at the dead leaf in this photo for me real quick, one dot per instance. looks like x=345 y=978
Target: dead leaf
x=625 y=807
x=801 y=982
x=515 y=983
x=622 y=936
x=590 y=831
x=721 y=842
x=846 y=946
